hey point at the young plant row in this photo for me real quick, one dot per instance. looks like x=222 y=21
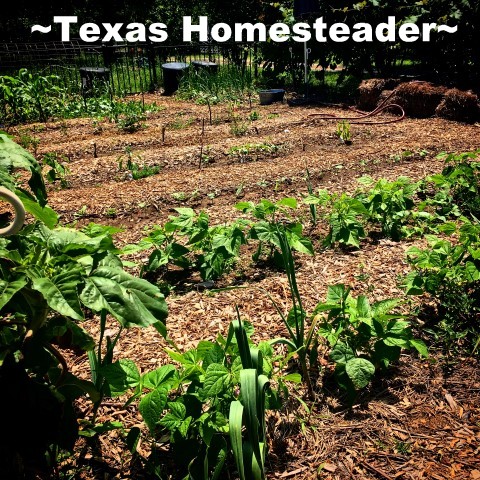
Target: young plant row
x=401 y=208
x=28 y=97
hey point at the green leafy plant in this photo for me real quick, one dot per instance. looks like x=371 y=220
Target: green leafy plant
x=13 y=158
x=363 y=337
x=188 y=241
x=190 y=403
x=49 y=278
x=254 y=116
x=58 y=171
x=346 y=217
x=252 y=151
x=135 y=170
x=272 y=219
x=343 y=132
x=28 y=96
x=457 y=188
x=131 y=122
x=450 y=273
x=389 y=203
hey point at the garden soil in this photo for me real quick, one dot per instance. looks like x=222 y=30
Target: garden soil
x=422 y=421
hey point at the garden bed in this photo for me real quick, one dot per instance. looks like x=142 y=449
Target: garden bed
x=420 y=421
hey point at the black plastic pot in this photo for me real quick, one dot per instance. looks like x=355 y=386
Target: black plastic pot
x=268 y=97
x=91 y=75
x=210 y=67
x=172 y=74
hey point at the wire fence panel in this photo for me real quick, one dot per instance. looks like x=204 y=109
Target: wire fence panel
x=133 y=68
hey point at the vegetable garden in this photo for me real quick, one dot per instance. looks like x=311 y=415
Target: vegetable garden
x=210 y=288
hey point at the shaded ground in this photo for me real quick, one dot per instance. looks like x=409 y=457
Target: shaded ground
x=417 y=423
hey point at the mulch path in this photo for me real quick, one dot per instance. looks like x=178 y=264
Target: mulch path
x=416 y=423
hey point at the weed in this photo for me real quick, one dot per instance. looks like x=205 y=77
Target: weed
x=180 y=123
x=131 y=122
x=363 y=337
x=252 y=151
x=111 y=212
x=82 y=212
x=238 y=127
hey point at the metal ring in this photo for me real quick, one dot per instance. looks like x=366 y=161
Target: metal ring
x=19 y=219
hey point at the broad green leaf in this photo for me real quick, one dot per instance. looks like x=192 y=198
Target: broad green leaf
x=132 y=301
x=121 y=376
x=43 y=213
x=152 y=405
x=217 y=380
x=183 y=426
x=214 y=355
x=360 y=371
x=342 y=353
x=336 y=294
x=301 y=244
x=174 y=418
x=363 y=307
x=9 y=289
x=384 y=306
x=288 y=202
x=75 y=243
x=60 y=292
x=396 y=342
x=160 y=376
x=293 y=377
x=420 y=346
x=13 y=156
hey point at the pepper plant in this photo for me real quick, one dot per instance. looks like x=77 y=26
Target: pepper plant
x=50 y=278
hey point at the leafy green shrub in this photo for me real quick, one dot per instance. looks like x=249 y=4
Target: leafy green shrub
x=450 y=273
x=29 y=97
x=49 y=278
x=389 y=203
x=58 y=171
x=363 y=337
x=346 y=217
x=343 y=132
x=456 y=190
x=246 y=152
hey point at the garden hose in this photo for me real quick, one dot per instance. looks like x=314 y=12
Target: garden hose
x=19 y=219
x=359 y=120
